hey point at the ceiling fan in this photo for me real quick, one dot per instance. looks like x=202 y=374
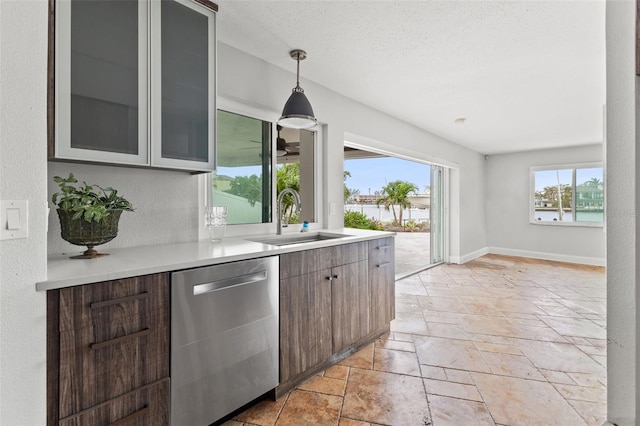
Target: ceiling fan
x=283 y=148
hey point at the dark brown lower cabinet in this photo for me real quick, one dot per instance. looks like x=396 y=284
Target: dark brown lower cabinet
x=349 y=304
x=382 y=282
x=108 y=352
x=146 y=406
x=305 y=324
x=330 y=306
x=108 y=343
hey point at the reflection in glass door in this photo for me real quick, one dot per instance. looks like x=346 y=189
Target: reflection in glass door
x=436 y=214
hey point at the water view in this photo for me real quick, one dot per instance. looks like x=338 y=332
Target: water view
x=549 y=216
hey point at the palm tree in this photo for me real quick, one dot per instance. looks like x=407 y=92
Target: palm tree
x=397 y=193
x=288 y=176
x=349 y=193
x=594 y=182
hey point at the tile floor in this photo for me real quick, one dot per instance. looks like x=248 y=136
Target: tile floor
x=497 y=341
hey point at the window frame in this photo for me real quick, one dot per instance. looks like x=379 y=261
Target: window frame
x=572 y=167
x=240 y=230
x=236 y=107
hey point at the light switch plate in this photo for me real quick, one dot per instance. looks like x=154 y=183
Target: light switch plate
x=14 y=219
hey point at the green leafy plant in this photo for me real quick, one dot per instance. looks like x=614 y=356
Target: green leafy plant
x=249 y=187
x=86 y=202
x=353 y=219
x=288 y=176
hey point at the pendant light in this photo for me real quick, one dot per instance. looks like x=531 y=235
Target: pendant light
x=297 y=112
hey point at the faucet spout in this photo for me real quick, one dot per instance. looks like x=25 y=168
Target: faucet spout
x=281 y=195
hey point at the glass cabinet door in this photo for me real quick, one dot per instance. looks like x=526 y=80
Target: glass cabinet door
x=101 y=81
x=184 y=115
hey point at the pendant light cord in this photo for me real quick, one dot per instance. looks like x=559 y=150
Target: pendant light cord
x=298 y=72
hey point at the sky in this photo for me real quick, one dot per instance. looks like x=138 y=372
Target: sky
x=371 y=174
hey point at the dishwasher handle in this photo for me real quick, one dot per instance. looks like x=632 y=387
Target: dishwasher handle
x=238 y=281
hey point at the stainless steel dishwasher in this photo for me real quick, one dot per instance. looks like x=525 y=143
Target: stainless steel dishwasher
x=224 y=338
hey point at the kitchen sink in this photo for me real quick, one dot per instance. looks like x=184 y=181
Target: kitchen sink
x=285 y=240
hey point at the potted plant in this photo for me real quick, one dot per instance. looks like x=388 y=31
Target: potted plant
x=88 y=216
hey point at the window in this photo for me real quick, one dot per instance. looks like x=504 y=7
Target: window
x=249 y=152
x=296 y=170
x=568 y=195
x=242 y=180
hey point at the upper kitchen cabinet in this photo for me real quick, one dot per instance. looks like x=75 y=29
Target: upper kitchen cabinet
x=135 y=83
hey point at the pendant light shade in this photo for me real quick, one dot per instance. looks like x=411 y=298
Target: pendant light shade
x=297 y=112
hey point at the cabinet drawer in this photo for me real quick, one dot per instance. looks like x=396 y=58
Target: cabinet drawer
x=381 y=251
x=348 y=253
x=147 y=406
x=107 y=360
x=307 y=261
x=93 y=370
x=95 y=304
x=302 y=262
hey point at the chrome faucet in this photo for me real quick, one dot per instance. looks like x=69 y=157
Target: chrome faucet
x=281 y=195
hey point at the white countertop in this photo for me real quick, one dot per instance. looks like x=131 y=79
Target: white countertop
x=134 y=261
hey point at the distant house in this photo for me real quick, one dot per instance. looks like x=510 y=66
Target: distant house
x=540 y=202
x=367 y=199
x=589 y=197
x=222 y=182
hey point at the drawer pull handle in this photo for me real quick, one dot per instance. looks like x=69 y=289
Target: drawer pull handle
x=383 y=247
x=141 y=333
x=332 y=277
x=382 y=265
x=141 y=412
x=97 y=305
x=229 y=283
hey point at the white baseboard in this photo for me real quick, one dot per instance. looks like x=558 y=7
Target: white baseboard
x=527 y=253
x=549 y=256
x=620 y=423
x=469 y=256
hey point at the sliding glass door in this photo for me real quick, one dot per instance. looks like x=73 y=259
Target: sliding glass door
x=390 y=192
x=436 y=214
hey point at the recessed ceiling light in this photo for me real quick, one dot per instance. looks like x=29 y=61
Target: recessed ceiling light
x=460 y=120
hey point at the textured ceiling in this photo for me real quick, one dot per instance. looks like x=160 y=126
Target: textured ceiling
x=525 y=74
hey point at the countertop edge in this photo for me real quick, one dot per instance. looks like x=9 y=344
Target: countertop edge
x=130 y=262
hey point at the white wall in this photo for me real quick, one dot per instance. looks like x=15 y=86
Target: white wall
x=622 y=205
x=165 y=202
x=508 y=204
x=23 y=176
